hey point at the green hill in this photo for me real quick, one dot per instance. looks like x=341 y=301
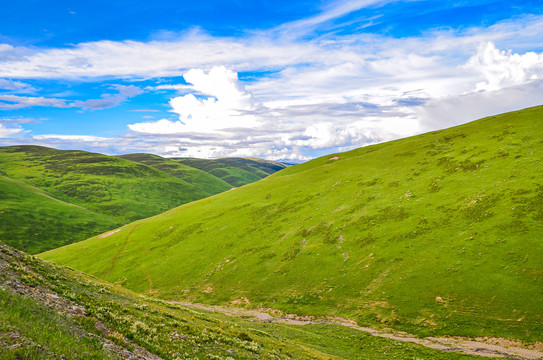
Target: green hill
x=235 y=171
x=52 y=312
x=201 y=179
x=439 y=233
x=108 y=191
x=33 y=221
x=122 y=189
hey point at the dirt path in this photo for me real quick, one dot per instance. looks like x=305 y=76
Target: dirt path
x=489 y=347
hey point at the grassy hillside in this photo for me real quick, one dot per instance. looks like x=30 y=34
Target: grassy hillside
x=122 y=189
x=33 y=221
x=80 y=317
x=235 y=171
x=435 y=234
x=201 y=179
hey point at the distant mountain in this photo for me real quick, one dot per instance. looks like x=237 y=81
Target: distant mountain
x=41 y=186
x=439 y=233
x=235 y=171
x=201 y=179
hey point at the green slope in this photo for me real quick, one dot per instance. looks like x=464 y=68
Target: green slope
x=201 y=179
x=235 y=171
x=80 y=317
x=119 y=188
x=33 y=221
x=440 y=233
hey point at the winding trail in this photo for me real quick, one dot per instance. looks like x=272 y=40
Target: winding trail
x=489 y=347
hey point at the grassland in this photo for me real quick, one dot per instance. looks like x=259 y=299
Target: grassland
x=235 y=171
x=122 y=189
x=435 y=234
x=51 y=198
x=33 y=221
x=49 y=311
x=201 y=179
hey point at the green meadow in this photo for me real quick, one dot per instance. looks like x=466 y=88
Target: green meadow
x=235 y=171
x=51 y=198
x=33 y=221
x=201 y=179
x=437 y=234
x=52 y=312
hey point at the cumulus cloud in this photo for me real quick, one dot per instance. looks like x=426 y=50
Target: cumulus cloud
x=310 y=93
x=501 y=68
x=229 y=106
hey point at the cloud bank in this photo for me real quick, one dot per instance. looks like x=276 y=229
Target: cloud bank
x=282 y=94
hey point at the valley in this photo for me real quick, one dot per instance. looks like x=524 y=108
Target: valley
x=52 y=197
x=433 y=235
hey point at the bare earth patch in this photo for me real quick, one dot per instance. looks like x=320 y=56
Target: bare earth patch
x=109 y=233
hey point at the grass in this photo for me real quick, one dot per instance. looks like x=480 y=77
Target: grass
x=33 y=221
x=202 y=180
x=68 y=196
x=38 y=332
x=235 y=171
x=434 y=234
x=122 y=189
x=171 y=331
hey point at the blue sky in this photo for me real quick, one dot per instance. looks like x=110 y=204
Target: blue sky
x=274 y=79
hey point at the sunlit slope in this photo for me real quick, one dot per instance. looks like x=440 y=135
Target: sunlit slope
x=235 y=171
x=121 y=189
x=438 y=233
x=199 y=178
x=33 y=221
x=52 y=312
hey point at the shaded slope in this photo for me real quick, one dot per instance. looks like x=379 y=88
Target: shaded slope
x=201 y=179
x=437 y=234
x=81 y=317
x=235 y=171
x=33 y=221
x=122 y=189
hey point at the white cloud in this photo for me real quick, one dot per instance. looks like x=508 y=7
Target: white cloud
x=332 y=91
x=12 y=102
x=159 y=127
x=332 y=11
x=86 y=138
x=228 y=107
x=9 y=131
x=20 y=120
x=455 y=110
x=503 y=68
x=16 y=86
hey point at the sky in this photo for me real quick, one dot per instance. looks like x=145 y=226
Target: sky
x=281 y=80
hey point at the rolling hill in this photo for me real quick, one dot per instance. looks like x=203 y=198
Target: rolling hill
x=80 y=317
x=51 y=197
x=122 y=189
x=202 y=180
x=235 y=171
x=33 y=221
x=439 y=233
